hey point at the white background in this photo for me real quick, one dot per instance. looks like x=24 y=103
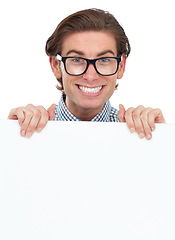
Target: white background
x=25 y=75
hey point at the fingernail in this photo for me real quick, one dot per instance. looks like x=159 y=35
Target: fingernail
x=142 y=135
x=29 y=134
x=152 y=129
x=23 y=133
x=132 y=130
x=39 y=130
x=148 y=136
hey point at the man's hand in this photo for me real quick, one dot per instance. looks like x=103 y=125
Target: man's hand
x=32 y=118
x=140 y=119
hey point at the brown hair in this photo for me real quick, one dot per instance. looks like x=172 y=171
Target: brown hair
x=87 y=20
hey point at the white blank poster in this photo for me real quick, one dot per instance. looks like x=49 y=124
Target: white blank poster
x=82 y=180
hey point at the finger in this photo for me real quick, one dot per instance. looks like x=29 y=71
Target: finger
x=32 y=117
x=151 y=119
x=129 y=119
x=137 y=121
x=13 y=114
x=51 y=111
x=148 y=128
x=17 y=114
x=44 y=117
x=121 y=113
x=156 y=116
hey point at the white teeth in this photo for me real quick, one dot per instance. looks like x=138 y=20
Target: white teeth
x=90 y=90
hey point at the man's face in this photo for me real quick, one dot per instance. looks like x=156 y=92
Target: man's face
x=88 y=93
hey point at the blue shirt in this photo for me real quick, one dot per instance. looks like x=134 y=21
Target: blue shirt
x=107 y=114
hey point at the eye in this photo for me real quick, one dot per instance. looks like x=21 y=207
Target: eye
x=77 y=60
x=104 y=60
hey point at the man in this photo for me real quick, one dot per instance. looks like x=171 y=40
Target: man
x=87 y=54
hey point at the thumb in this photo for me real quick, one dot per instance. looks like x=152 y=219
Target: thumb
x=121 y=114
x=51 y=111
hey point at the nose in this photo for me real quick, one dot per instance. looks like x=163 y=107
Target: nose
x=91 y=73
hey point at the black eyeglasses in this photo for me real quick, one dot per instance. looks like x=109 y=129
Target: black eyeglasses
x=76 y=66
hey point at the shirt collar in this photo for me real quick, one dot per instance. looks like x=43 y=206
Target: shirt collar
x=66 y=115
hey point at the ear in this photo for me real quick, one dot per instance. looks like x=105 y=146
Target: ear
x=54 y=63
x=121 y=69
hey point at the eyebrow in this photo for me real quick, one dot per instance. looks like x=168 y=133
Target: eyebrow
x=98 y=55
x=105 y=52
x=75 y=51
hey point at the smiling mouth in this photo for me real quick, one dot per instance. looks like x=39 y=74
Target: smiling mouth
x=90 y=90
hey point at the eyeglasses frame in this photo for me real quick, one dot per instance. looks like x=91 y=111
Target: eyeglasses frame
x=89 y=61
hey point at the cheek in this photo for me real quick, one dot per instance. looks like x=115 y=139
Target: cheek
x=68 y=83
x=112 y=81
x=112 y=85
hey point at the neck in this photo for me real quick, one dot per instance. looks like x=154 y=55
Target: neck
x=84 y=114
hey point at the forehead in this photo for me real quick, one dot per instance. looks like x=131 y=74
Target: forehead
x=89 y=43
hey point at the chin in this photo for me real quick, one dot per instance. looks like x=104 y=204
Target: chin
x=91 y=105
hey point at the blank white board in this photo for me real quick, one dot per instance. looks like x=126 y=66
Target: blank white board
x=84 y=180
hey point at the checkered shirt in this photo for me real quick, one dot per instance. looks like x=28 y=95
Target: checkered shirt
x=107 y=114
